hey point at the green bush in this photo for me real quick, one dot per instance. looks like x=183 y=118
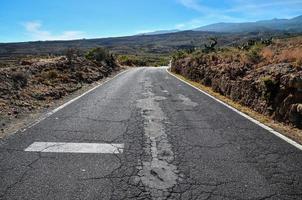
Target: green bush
x=210 y=47
x=254 y=53
x=179 y=55
x=100 y=55
x=131 y=60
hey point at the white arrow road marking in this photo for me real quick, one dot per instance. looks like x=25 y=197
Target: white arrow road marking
x=62 y=147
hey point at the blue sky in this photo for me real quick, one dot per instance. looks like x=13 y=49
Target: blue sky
x=29 y=20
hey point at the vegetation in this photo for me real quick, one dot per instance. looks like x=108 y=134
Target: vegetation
x=263 y=74
x=50 y=75
x=131 y=60
x=287 y=50
x=270 y=87
x=146 y=60
x=210 y=47
x=257 y=53
x=100 y=55
x=254 y=54
x=19 y=79
x=36 y=82
x=146 y=49
x=71 y=54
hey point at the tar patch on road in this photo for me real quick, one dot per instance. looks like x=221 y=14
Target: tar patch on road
x=157 y=173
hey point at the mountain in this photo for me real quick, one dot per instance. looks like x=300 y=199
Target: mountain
x=156 y=44
x=292 y=25
x=289 y=25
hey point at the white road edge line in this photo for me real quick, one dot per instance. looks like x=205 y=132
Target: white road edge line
x=63 y=147
x=67 y=103
x=283 y=137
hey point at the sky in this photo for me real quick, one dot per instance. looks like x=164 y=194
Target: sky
x=32 y=20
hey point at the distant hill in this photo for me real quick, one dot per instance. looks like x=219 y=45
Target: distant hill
x=292 y=25
x=158 y=44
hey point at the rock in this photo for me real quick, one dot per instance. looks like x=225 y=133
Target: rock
x=296 y=82
x=25 y=88
x=15 y=111
x=299 y=108
x=274 y=90
x=295 y=114
x=25 y=62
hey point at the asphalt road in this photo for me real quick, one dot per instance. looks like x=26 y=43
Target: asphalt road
x=177 y=144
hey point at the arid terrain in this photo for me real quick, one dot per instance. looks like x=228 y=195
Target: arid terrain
x=151 y=100
x=37 y=83
x=263 y=75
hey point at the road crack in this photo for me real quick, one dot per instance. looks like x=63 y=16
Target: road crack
x=157 y=174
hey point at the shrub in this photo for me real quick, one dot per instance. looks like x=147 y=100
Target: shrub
x=38 y=96
x=267 y=53
x=211 y=47
x=179 y=55
x=19 y=79
x=254 y=54
x=130 y=60
x=52 y=74
x=291 y=55
x=270 y=87
x=65 y=78
x=79 y=75
x=71 y=54
x=99 y=55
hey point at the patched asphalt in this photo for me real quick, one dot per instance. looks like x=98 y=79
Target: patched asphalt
x=178 y=144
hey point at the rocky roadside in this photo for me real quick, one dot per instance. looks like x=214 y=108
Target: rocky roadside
x=264 y=79
x=30 y=90
x=274 y=90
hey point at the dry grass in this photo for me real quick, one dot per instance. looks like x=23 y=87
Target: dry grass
x=291 y=132
x=267 y=53
x=226 y=55
x=280 y=51
x=284 y=51
x=291 y=55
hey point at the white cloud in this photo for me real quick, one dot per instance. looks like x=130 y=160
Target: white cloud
x=35 y=31
x=144 y=31
x=180 y=26
x=256 y=5
x=240 y=5
x=208 y=15
x=195 y=5
x=32 y=26
x=239 y=11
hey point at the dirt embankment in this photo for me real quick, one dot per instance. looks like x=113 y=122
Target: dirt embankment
x=267 y=80
x=36 y=84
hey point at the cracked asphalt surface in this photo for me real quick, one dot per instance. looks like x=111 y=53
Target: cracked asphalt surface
x=179 y=144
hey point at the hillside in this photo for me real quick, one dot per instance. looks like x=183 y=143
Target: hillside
x=38 y=84
x=151 y=49
x=265 y=76
x=287 y=25
x=157 y=44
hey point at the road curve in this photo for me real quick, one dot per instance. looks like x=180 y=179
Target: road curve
x=166 y=141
